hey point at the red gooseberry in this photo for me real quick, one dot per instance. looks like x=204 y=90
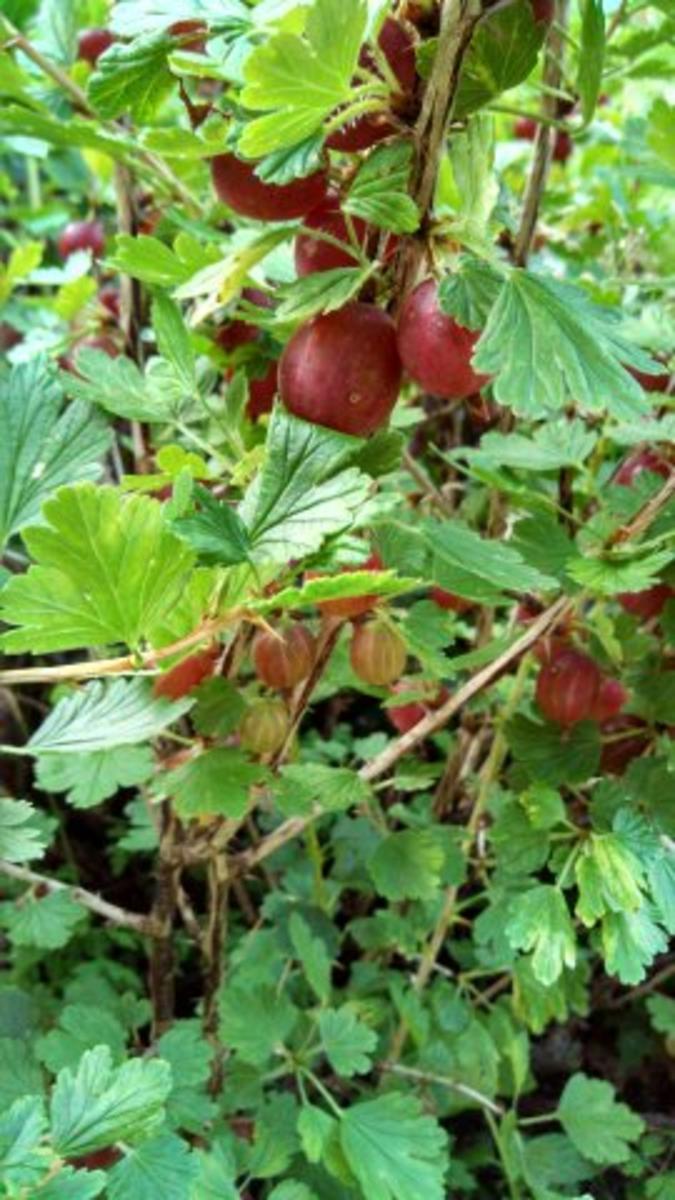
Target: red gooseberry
x=624 y=738
x=404 y=716
x=92 y=43
x=81 y=235
x=567 y=688
x=186 y=675
x=238 y=186
x=283 y=659
x=399 y=49
x=264 y=727
x=436 y=351
x=233 y=334
x=313 y=254
x=261 y=392
x=645 y=459
x=610 y=699
x=526 y=128
x=377 y=653
x=341 y=369
x=651 y=383
x=648 y=603
x=449 y=601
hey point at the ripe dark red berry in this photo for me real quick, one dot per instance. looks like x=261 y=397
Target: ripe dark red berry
x=623 y=739
x=109 y=299
x=92 y=43
x=361 y=133
x=283 y=659
x=399 y=50
x=377 y=653
x=449 y=601
x=562 y=146
x=9 y=337
x=342 y=370
x=313 y=254
x=526 y=128
x=233 y=334
x=81 y=235
x=649 y=603
x=351 y=606
x=186 y=675
x=97 y=1160
x=639 y=461
x=261 y=392
x=549 y=647
x=567 y=688
x=651 y=383
x=609 y=701
x=543 y=10
x=191 y=34
x=264 y=727
x=436 y=351
x=238 y=186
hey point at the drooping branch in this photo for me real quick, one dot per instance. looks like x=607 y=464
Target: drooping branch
x=139 y=922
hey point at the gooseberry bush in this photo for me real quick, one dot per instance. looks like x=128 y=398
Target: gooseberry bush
x=337 y=600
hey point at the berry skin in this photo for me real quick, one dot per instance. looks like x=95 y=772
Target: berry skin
x=97 y=1160
x=92 y=43
x=404 y=716
x=81 y=235
x=639 y=461
x=526 y=128
x=191 y=34
x=281 y=660
x=449 y=601
x=543 y=11
x=264 y=727
x=261 y=392
x=233 y=334
x=238 y=186
x=341 y=369
x=649 y=603
x=436 y=351
x=562 y=146
x=567 y=688
x=109 y=299
x=351 y=606
x=377 y=653
x=617 y=750
x=651 y=383
x=186 y=675
x=549 y=647
x=609 y=701
x=9 y=337
x=312 y=254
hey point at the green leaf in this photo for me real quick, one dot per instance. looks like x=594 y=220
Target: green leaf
x=117 y=385
x=21 y=262
x=609 y=878
x=472 y=155
x=539 y=921
x=73 y=1185
x=379 y=191
x=255 y=1020
x=108 y=569
x=43 y=922
x=552 y=1159
x=133 y=77
x=41 y=447
x=312 y=953
x=502 y=53
x=534 y=313
x=219 y=707
x=22 y=837
x=494 y=566
x=173 y=340
x=591 y=56
x=162 y=1167
x=395 y=1151
x=91 y=778
x=564 y=443
x=661 y=1011
x=333 y=789
x=290 y=1189
x=275 y=1141
x=470 y=293
x=214 y=531
x=322 y=291
x=23 y=1161
x=299 y=80
x=600 y=1128
x=662 y=884
x=148 y=259
x=103 y=714
x=610 y=575
x=347 y=1042
x=81 y=1027
x=217 y=782
x=99 y=1104
x=551 y=755
x=407 y=865
x=189 y=1055
x=20 y=1074
x=217 y=1174
x=316 y=1129
x=305 y=491
x=660 y=133
x=81 y=132
x=630 y=943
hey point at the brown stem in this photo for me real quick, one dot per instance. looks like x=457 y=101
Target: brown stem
x=214 y=940
x=162 y=955
x=147 y=925
x=327 y=642
x=543 y=142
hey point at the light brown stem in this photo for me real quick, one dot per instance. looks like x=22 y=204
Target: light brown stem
x=110 y=912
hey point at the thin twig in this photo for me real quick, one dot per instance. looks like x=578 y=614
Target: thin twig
x=454 y=1085
x=162 y=952
x=110 y=912
x=327 y=641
